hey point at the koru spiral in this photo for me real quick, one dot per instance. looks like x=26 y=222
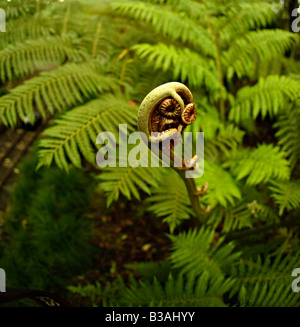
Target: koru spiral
x=165 y=111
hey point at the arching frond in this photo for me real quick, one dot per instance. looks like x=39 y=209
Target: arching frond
x=244 y=16
x=169 y=23
x=268 y=96
x=24 y=29
x=185 y=64
x=59 y=89
x=264 y=44
x=24 y=58
x=75 y=133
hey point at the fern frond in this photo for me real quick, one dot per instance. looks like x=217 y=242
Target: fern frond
x=195 y=251
x=231 y=218
x=265 y=283
x=186 y=64
x=262 y=164
x=177 y=26
x=227 y=139
x=24 y=58
x=265 y=44
x=181 y=291
x=170 y=200
x=23 y=29
x=288 y=134
x=76 y=131
x=244 y=16
x=286 y=194
x=222 y=188
x=59 y=89
x=129 y=180
x=268 y=96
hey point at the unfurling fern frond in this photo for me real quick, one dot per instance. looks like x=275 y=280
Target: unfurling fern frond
x=286 y=194
x=222 y=187
x=266 y=44
x=185 y=64
x=76 y=131
x=265 y=283
x=24 y=58
x=195 y=251
x=170 y=200
x=262 y=164
x=59 y=89
x=182 y=291
x=171 y=24
x=268 y=96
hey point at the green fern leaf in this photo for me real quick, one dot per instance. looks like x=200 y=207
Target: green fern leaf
x=194 y=251
x=170 y=200
x=268 y=96
x=59 y=89
x=76 y=131
x=286 y=195
x=262 y=164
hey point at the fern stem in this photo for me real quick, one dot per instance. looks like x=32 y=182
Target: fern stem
x=192 y=191
x=220 y=71
x=95 y=43
x=66 y=18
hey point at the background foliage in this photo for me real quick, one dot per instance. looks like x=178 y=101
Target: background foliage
x=89 y=64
